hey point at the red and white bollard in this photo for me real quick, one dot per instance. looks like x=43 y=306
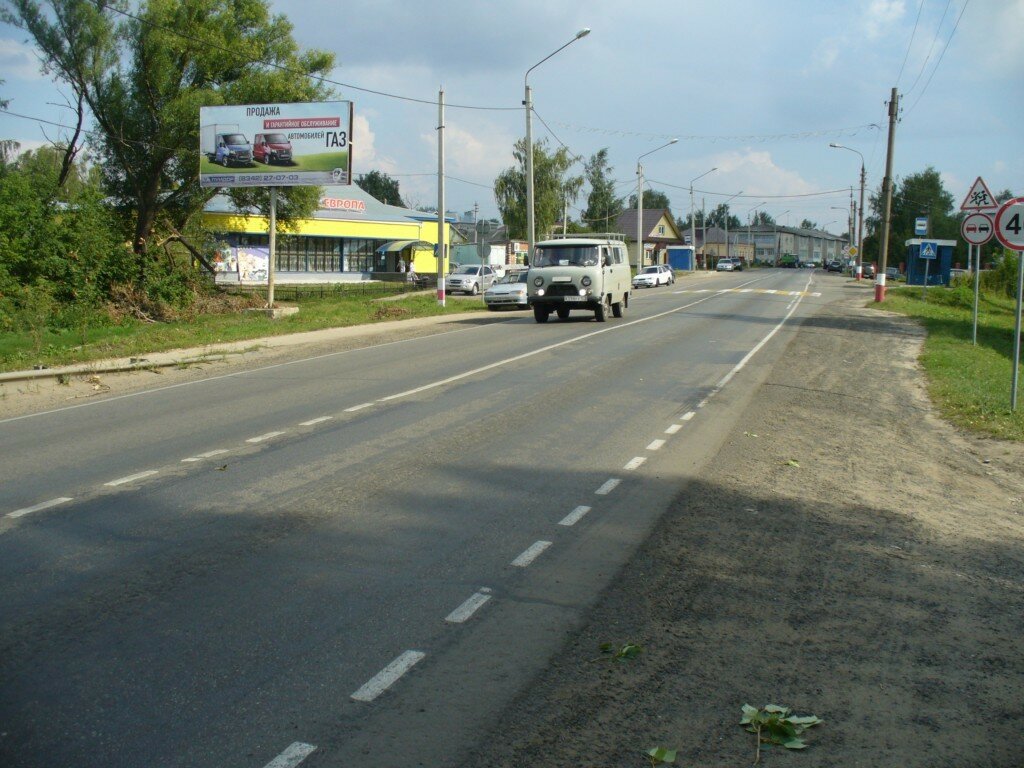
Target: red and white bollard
x=880 y=286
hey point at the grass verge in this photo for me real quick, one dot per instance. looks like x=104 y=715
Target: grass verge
x=20 y=351
x=969 y=384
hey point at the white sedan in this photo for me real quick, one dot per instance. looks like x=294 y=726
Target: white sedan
x=649 y=277
x=509 y=291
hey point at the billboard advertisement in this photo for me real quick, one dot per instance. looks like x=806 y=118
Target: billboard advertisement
x=276 y=145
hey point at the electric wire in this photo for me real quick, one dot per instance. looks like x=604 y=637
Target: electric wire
x=939 y=60
x=935 y=38
x=910 y=45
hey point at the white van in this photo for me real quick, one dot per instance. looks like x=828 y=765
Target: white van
x=574 y=273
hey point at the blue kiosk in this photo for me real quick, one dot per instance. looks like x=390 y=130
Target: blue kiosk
x=938 y=266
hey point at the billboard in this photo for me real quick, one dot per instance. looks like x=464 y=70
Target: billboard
x=276 y=145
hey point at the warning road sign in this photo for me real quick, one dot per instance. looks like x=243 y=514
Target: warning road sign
x=929 y=250
x=979 y=198
x=976 y=228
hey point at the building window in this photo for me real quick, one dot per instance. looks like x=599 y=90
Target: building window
x=661 y=229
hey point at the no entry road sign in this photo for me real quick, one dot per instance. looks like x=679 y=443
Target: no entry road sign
x=976 y=228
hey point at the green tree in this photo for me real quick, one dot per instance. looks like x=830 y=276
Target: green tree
x=603 y=206
x=717 y=217
x=763 y=219
x=654 y=199
x=919 y=194
x=143 y=76
x=808 y=224
x=551 y=188
x=381 y=186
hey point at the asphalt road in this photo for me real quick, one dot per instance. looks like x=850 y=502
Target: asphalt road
x=355 y=559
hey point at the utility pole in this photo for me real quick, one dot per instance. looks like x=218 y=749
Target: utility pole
x=440 y=197
x=894 y=111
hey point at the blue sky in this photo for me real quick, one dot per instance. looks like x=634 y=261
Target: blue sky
x=757 y=89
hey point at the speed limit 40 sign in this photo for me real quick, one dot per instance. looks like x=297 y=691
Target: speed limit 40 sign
x=1010 y=224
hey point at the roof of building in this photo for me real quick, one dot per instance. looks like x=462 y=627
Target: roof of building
x=626 y=222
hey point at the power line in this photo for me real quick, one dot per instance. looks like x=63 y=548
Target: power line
x=838 y=132
x=939 y=61
x=844 y=190
x=910 y=45
x=938 y=31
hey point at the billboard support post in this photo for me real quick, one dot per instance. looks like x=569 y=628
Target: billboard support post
x=273 y=247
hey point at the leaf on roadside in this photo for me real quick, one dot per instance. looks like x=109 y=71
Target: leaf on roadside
x=793 y=463
x=750 y=434
x=661 y=755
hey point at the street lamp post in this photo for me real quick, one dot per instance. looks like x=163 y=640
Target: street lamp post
x=640 y=205
x=693 y=226
x=726 y=204
x=528 y=103
x=860 y=223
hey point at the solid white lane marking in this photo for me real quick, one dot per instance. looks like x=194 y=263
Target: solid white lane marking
x=359 y=407
x=655 y=445
x=388 y=676
x=673 y=429
x=608 y=487
x=311 y=422
x=688 y=415
x=635 y=462
x=261 y=438
x=468 y=608
x=531 y=553
x=132 y=478
x=295 y=754
x=574 y=517
x=39 y=507
x=207 y=455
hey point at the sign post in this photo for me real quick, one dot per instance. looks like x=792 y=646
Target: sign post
x=976 y=229
x=928 y=251
x=1009 y=226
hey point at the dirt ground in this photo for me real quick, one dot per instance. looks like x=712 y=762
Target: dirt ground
x=879 y=585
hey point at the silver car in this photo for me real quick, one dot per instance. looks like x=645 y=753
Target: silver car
x=471 y=279
x=649 y=277
x=508 y=292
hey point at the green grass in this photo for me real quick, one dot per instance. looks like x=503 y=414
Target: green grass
x=969 y=384
x=20 y=351
x=323 y=161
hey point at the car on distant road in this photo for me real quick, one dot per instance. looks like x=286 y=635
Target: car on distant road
x=471 y=279
x=834 y=266
x=508 y=292
x=867 y=269
x=652 y=276
x=892 y=273
x=730 y=265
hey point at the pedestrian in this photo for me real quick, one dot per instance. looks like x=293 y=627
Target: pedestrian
x=411 y=276
x=401 y=265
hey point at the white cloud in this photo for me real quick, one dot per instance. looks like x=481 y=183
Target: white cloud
x=881 y=15
x=18 y=61
x=826 y=53
x=757 y=174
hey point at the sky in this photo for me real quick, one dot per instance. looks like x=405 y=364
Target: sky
x=755 y=89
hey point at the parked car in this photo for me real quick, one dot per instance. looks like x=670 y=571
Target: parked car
x=508 y=292
x=272 y=148
x=892 y=273
x=834 y=266
x=730 y=265
x=471 y=279
x=867 y=269
x=649 y=277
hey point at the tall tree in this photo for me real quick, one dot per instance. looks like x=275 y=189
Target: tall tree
x=764 y=219
x=654 y=199
x=603 y=206
x=143 y=76
x=718 y=217
x=808 y=224
x=381 y=186
x=551 y=187
x=919 y=194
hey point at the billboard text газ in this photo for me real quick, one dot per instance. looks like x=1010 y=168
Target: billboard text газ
x=276 y=145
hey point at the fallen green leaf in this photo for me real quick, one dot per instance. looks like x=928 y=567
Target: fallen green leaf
x=661 y=755
x=793 y=463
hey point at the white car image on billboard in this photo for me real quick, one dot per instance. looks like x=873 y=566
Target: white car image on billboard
x=311 y=145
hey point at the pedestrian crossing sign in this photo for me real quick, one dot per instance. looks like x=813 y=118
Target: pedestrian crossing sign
x=929 y=250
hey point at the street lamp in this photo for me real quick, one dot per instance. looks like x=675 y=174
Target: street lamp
x=693 y=226
x=528 y=102
x=754 y=250
x=640 y=204
x=726 y=204
x=860 y=223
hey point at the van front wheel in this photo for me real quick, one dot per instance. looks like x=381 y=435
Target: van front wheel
x=540 y=314
x=603 y=309
x=619 y=307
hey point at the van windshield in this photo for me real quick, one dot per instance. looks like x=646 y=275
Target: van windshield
x=234 y=138
x=275 y=138
x=566 y=256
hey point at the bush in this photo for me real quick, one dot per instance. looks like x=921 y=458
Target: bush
x=1002 y=279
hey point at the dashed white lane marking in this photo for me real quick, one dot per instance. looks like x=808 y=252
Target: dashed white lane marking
x=608 y=487
x=673 y=429
x=574 y=517
x=295 y=754
x=359 y=407
x=132 y=478
x=688 y=415
x=468 y=608
x=39 y=507
x=311 y=422
x=635 y=462
x=388 y=676
x=261 y=438
x=655 y=445
x=207 y=455
x=531 y=553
